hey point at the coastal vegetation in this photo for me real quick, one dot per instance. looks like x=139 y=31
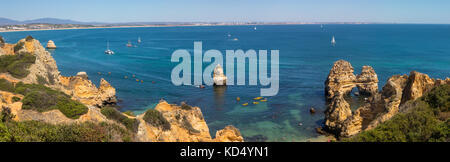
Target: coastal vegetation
x=2 y=41
x=129 y=113
x=41 y=80
x=17 y=65
x=424 y=120
x=156 y=119
x=188 y=126
x=113 y=114
x=18 y=46
x=185 y=106
x=41 y=98
x=36 y=131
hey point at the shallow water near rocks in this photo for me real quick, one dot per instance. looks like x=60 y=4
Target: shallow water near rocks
x=306 y=57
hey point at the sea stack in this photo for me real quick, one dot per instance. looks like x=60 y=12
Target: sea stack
x=51 y=45
x=219 y=78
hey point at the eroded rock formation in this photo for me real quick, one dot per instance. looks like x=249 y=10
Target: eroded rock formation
x=186 y=125
x=83 y=90
x=219 y=77
x=378 y=107
x=51 y=45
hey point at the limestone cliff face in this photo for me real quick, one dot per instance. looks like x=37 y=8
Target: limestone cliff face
x=186 y=125
x=340 y=80
x=45 y=68
x=338 y=114
x=83 y=90
x=367 y=81
x=416 y=86
x=379 y=106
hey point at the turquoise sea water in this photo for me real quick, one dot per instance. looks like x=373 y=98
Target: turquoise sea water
x=305 y=59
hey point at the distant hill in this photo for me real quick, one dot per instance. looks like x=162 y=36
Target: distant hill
x=52 y=21
x=5 y=21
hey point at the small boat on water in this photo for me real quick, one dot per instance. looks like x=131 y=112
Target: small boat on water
x=129 y=44
x=254 y=28
x=108 y=51
x=321 y=26
x=139 y=40
x=333 y=41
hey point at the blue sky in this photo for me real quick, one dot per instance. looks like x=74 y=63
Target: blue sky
x=400 y=11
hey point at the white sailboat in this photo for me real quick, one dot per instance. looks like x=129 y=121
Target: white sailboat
x=333 y=41
x=139 y=40
x=254 y=28
x=108 y=51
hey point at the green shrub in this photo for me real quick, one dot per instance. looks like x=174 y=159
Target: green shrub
x=129 y=113
x=41 y=80
x=18 y=46
x=29 y=38
x=185 y=106
x=113 y=114
x=6 y=115
x=15 y=99
x=17 y=65
x=156 y=119
x=2 y=41
x=5 y=85
x=36 y=131
x=51 y=78
x=5 y=136
x=41 y=98
x=187 y=125
x=439 y=97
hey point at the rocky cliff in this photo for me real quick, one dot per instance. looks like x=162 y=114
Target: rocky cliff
x=45 y=71
x=186 y=123
x=378 y=106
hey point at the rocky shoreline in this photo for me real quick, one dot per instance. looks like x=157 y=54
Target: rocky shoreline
x=186 y=125
x=378 y=107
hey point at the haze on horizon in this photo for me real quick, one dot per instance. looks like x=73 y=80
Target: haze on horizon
x=120 y=11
